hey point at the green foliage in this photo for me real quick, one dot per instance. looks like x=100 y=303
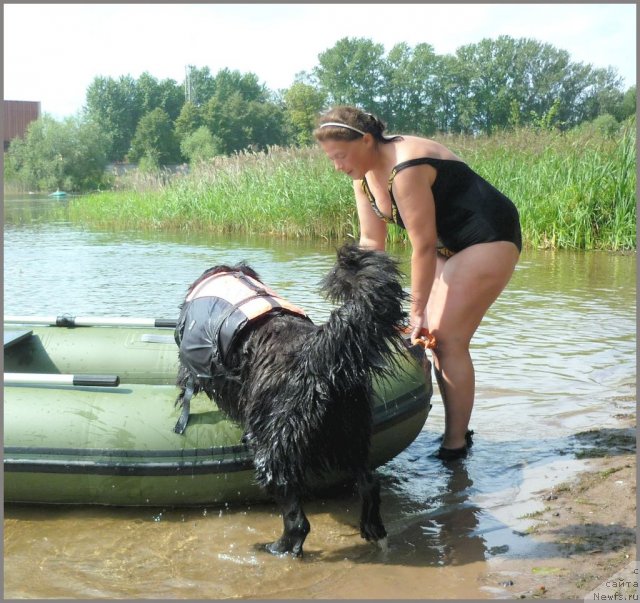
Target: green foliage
x=240 y=114
x=627 y=106
x=68 y=155
x=153 y=94
x=149 y=165
x=279 y=192
x=352 y=73
x=189 y=120
x=227 y=84
x=114 y=105
x=155 y=139
x=302 y=104
x=199 y=145
x=119 y=104
x=573 y=190
x=548 y=121
x=521 y=81
x=482 y=88
x=411 y=90
x=605 y=126
x=199 y=85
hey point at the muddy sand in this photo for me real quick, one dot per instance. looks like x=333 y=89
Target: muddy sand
x=587 y=527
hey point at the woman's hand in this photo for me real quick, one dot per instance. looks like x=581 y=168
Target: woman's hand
x=416 y=322
x=419 y=333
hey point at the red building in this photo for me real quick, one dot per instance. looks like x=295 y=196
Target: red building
x=16 y=116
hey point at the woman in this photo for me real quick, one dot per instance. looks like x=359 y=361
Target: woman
x=464 y=234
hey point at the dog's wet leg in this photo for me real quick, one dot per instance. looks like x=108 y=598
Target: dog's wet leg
x=296 y=526
x=371 y=526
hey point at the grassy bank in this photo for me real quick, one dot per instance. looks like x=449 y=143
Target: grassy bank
x=573 y=190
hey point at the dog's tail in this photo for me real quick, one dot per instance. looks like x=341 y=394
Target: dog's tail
x=364 y=334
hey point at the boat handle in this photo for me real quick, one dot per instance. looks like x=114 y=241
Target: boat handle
x=66 y=320
x=53 y=379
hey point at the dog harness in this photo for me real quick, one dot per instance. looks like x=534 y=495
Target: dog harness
x=214 y=314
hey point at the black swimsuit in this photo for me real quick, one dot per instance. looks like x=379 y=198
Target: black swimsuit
x=469 y=210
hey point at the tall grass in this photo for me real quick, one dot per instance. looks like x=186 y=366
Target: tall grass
x=573 y=190
x=284 y=192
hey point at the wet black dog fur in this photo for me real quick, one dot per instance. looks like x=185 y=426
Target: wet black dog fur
x=303 y=392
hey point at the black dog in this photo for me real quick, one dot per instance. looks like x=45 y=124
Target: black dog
x=302 y=392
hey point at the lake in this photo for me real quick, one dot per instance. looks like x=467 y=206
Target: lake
x=555 y=357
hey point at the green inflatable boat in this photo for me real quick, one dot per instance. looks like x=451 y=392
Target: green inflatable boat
x=89 y=415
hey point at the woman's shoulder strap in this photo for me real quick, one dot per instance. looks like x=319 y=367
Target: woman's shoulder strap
x=411 y=162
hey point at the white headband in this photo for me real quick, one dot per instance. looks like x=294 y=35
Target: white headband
x=339 y=125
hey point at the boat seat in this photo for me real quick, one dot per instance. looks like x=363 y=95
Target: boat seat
x=12 y=338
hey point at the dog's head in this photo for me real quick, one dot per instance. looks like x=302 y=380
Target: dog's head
x=360 y=271
x=241 y=267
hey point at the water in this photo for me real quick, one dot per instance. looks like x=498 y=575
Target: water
x=554 y=357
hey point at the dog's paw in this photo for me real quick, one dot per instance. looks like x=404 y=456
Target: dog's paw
x=383 y=544
x=373 y=531
x=284 y=547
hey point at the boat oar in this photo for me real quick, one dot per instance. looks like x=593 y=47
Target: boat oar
x=53 y=379
x=66 y=320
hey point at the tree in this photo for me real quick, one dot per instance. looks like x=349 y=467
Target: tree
x=86 y=153
x=118 y=105
x=302 y=105
x=353 y=73
x=454 y=108
x=114 y=104
x=155 y=140
x=153 y=94
x=199 y=85
x=199 y=145
x=226 y=119
x=189 y=120
x=411 y=89
x=266 y=125
x=227 y=83
x=628 y=105
x=70 y=155
x=523 y=80
x=240 y=114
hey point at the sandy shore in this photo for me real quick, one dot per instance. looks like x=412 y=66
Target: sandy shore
x=587 y=527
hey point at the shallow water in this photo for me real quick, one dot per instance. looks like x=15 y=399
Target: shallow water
x=554 y=357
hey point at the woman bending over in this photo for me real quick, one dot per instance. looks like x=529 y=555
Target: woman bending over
x=464 y=234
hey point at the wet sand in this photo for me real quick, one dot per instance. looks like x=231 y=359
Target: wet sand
x=586 y=526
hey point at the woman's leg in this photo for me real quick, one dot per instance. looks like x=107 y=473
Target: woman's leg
x=466 y=285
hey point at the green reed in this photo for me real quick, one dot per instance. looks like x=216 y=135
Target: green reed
x=573 y=190
x=284 y=192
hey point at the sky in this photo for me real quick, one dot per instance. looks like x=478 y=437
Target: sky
x=52 y=52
